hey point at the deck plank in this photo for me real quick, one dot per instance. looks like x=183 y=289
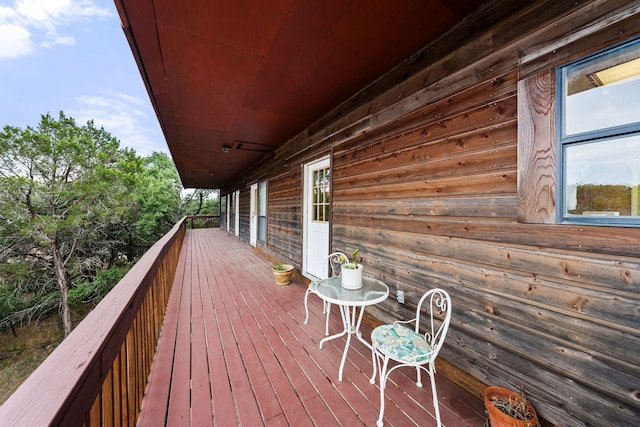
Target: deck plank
x=234 y=351
x=224 y=410
x=200 y=375
x=179 y=411
x=157 y=393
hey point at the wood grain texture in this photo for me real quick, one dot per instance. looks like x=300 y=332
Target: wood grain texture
x=537 y=149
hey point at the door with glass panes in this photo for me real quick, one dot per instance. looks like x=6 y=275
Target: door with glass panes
x=317 y=213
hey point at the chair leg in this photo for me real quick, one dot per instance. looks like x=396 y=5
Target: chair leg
x=306 y=307
x=436 y=406
x=383 y=383
x=374 y=362
x=419 y=377
x=326 y=327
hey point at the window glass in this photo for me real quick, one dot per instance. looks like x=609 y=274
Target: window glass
x=321 y=195
x=602 y=177
x=223 y=211
x=603 y=91
x=262 y=211
x=600 y=137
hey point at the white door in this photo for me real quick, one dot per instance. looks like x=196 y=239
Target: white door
x=317 y=212
x=237 y=216
x=253 y=221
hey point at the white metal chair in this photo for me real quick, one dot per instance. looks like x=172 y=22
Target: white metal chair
x=332 y=266
x=410 y=347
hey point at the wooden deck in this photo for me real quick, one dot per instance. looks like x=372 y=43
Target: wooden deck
x=234 y=351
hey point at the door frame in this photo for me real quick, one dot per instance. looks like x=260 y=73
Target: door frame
x=307 y=168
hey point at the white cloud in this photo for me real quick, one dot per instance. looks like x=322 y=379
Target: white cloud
x=120 y=115
x=15 y=41
x=66 y=40
x=41 y=22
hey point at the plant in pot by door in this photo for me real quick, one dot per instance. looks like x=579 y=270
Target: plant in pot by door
x=352 y=272
x=282 y=273
x=507 y=408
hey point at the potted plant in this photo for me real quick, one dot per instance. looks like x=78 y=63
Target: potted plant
x=352 y=272
x=507 y=408
x=282 y=273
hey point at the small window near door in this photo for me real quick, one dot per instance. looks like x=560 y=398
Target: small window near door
x=321 y=196
x=262 y=211
x=599 y=134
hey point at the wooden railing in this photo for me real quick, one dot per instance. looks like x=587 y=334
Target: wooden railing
x=98 y=374
x=203 y=221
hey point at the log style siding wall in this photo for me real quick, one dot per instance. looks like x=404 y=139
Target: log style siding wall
x=444 y=174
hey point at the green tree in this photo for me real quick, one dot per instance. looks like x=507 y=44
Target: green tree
x=201 y=202
x=62 y=188
x=147 y=209
x=159 y=198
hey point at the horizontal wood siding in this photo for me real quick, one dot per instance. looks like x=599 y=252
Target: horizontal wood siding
x=284 y=220
x=443 y=174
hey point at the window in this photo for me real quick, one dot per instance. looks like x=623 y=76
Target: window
x=232 y=211
x=321 y=200
x=223 y=211
x=599 y=135
x=262 y=211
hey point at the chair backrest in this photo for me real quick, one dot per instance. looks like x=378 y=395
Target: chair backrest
x=332 y=265
x=436 y=325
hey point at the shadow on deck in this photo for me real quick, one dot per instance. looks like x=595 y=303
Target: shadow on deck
x=234 y=351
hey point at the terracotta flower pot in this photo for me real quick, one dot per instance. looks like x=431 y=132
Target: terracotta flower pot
x=498 y=418
x=283 y=277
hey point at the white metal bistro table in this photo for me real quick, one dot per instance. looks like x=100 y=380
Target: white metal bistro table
x=372 y=292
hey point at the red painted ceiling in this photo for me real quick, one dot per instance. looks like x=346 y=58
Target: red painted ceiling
x=250 y=74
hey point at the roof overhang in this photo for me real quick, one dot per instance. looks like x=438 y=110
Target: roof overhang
x=231 y=81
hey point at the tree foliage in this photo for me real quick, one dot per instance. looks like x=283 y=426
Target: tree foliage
x=75 y=211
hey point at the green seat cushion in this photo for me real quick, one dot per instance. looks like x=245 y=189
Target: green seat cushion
x=401 y=343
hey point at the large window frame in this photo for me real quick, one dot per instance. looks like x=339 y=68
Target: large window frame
x=262 y=211
x=588 y=140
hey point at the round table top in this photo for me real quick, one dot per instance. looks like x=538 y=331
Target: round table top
x=372 y=292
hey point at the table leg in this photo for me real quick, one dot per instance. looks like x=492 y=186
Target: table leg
x=348 y=319
x=357 y=329
x=329 y=338
x=351 y=320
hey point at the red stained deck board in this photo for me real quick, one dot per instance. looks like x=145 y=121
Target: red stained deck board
x=285 y=373
x=200 y=389
x=287 y=400
x=180 y=397
x=242 y=394
x=256 y=372
x=303 y=349
x=154 y=411
x=234 y=351
x=224 y=411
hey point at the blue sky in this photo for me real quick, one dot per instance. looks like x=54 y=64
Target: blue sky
x=72 y=55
